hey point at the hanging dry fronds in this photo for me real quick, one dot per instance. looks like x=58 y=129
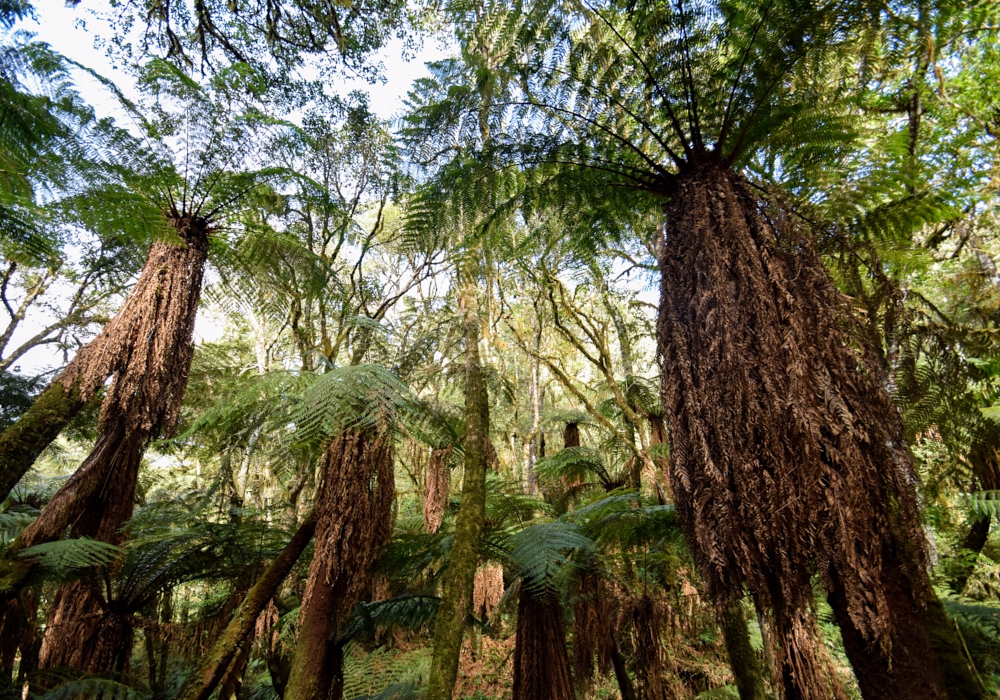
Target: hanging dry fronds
x=653 y=680
x=541 y=663
x=787 y=451
x=353 y=521
x=571 y=435
x=438 y=483
x=487 y=590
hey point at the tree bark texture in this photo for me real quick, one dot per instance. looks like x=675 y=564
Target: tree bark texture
x=166 y=296
x=541 y=662
x=456 y=601
x=353 y=522
x=149 y=353
x=202 y=682
x=438 y=485
x=786 y=448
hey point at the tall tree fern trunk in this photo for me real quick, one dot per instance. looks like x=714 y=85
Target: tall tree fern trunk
x=149 y=353
x=786 y=447
x=463 y=561
x=541 y=662
x=167 y=291
x=353 y=522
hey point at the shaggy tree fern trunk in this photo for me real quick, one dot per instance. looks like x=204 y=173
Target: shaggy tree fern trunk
x=786 y=448
x=353 y=521
x=541 y=663
x=463 y=561
x=166 y=294
x=149 y=354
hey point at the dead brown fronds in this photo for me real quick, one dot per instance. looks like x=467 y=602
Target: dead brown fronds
x=487 y=590
x=787 y=452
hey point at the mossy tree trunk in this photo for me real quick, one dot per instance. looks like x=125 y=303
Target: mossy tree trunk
x=202 y=682
x=742 y=657
x=456 y=602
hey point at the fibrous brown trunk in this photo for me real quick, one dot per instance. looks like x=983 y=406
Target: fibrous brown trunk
x=894 y=672
x=152 y=327
x=19 y=633
x=150 y=357
x=353 y=522
x=786 y=447
x=571 y=435
x=541 y=663
x=593 y=631
x=436 y=494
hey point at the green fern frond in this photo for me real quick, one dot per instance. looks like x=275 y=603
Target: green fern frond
x=542 y=553
x=66 y=558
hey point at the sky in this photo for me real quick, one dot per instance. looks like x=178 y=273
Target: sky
x=75 y=32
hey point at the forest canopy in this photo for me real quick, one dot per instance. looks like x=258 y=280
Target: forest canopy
x=647 y=349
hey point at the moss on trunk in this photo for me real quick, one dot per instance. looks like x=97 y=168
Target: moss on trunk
x=35 y=429
x=742 y=658
x=456 y=602
x=202 y=682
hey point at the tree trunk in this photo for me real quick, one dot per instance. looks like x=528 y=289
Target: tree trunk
x=463 y=561
x=202 y=682
x=36 y=428
x=985 y=462
x=167 y=294
x=86 y=631
x=541 y=663
x=742 y=658
x=436 y=493
x=786 y=447
x=353 y=522
x=625 y=686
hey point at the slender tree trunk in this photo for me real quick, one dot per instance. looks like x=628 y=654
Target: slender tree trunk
x=786 y=447
x=202 y=682
x=171 y=276
x=541 y=663
x=985 y=462
x=625 y=686
x=463 y=561
x=353 y=522
x=742 y=658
